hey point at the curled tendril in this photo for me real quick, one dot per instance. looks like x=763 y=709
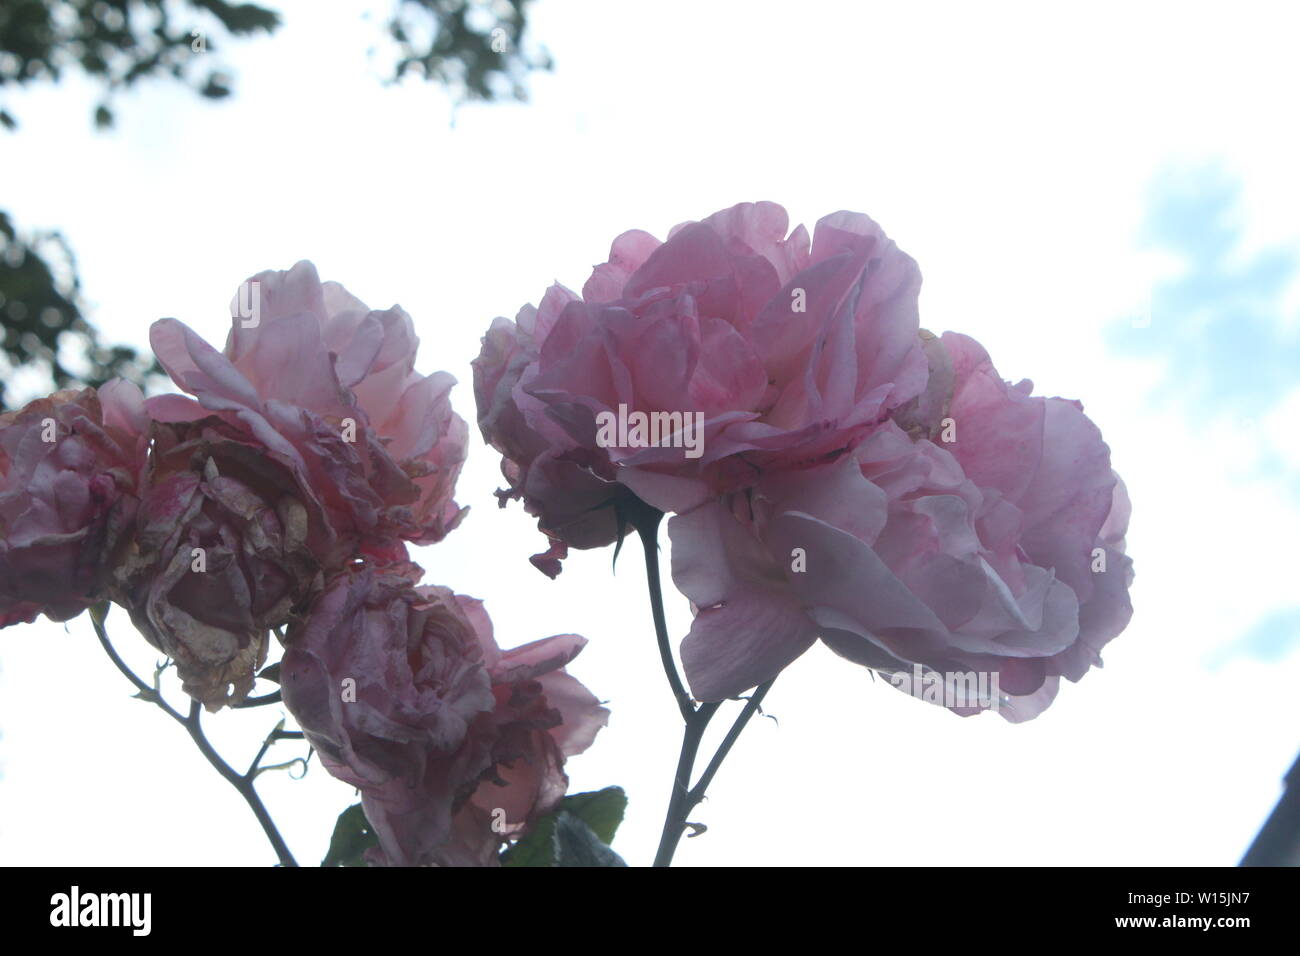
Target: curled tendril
x=288 y=765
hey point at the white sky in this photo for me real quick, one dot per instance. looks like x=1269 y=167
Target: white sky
x=1010 y=149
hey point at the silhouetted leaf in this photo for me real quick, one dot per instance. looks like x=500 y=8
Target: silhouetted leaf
x=577 y=845
x=598 y=812
x=537 y=848
x=352 y=837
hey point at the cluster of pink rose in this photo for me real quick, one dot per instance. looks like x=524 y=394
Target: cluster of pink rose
x=859 y=480
x=850 y=478
x=280 y=498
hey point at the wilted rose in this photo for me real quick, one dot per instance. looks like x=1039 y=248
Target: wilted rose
x=541 y=717
x=328 y=388
x=69 y=473
x=693 y=367
x=405 y=696
x=224 y=550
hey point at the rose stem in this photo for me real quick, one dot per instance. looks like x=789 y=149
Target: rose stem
x=241 y=782
x=684 y=798
x=647 y=526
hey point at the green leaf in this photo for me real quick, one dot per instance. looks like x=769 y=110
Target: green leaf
x=537 y=848
x=576 y=844
x=271 y=673
x=352 y=837
x=599 y=812
x=602 y=810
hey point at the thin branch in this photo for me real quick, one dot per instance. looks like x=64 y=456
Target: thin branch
x=266 y=745
x=244 y=784
x=148 y=693
x=271 y=698
x=752 y=707
x=279 y=733
x=675 y=819
x=685 y=798
x=194 y=727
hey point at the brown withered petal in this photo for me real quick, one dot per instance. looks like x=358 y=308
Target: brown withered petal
x=221 y=556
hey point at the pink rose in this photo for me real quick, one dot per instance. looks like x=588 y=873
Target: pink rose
x=542 y=717
x=405 y=695
x=328 y=388
x=374 y=358
x=69 y=470
x=989 y=540
x=693 y=367
x=223 y=551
